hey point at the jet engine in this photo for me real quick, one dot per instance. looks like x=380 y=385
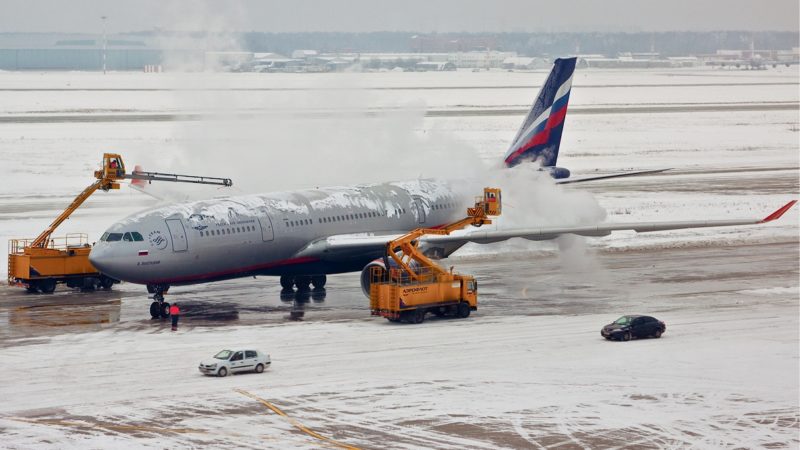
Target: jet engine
x=366 y=275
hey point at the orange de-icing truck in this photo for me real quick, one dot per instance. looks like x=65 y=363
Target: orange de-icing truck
x=414 y=285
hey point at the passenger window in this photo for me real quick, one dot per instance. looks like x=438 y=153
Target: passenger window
x=236 y=356
x=249 y=354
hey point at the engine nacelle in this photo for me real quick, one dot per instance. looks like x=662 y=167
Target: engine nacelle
x=366 y=275
x=557 y=172
x=366 y=272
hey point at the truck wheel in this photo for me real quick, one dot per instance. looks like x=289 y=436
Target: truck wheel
x=89 y=284
x=32 y=288
x=463 y=310
x=222 y=372
x=47 y=286
x=419 y=315
x=106 y=282
x=259 y=368
x=155 y=310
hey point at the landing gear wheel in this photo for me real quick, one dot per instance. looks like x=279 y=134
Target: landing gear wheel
x=419 y=315
x=627 y=336
x=151 y=289
x=47 y=286
x=155 y=310
x=463 y=310
x=287 y=282
x=259 y=368
x=222 y=372
x=303 y=282
x=164 y=310
x=319 y=281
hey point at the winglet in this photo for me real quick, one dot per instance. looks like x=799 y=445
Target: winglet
x=777 y=214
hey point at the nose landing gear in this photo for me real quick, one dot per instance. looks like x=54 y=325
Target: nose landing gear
x=159 y=308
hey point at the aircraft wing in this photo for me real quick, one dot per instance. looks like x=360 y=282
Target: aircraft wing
x=607 y=176
x=343 y=247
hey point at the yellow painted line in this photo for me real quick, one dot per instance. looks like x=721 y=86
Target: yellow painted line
x=73 y=424
x=294 y=422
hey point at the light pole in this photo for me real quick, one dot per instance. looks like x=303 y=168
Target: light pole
x=103 y=18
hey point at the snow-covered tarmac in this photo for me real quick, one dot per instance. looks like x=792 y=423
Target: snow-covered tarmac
x=721 y=378
x=528 y=370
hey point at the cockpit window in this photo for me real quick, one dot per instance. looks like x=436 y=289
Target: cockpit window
x=137 y=236
x=113 y=237
x=127 y=237
x=104 y=237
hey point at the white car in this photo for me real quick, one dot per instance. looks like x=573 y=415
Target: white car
x=233 y=361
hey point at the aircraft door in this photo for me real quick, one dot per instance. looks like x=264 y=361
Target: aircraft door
x=420 y=206
x=267 y=233
x=178 y=234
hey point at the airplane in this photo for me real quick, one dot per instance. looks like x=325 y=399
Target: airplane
x=303 y=236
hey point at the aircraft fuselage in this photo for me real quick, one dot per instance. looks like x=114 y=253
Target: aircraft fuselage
x=234 y=237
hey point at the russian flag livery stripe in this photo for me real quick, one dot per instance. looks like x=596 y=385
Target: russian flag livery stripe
x=539 y=137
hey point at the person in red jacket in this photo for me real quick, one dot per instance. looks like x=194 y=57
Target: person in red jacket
x=175 y=313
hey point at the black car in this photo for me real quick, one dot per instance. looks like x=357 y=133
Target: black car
x=627 y=327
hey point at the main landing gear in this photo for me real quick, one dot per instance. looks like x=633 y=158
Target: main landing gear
x=303 y=282
x=159 y=308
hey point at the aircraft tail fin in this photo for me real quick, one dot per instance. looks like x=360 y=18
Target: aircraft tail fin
x=539 y=137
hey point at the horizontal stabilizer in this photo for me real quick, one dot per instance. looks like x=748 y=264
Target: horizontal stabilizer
x=611 y=175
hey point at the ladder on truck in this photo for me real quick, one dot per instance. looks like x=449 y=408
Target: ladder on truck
x=414 y=285
x=39 y=264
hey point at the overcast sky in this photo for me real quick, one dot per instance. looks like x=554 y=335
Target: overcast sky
x=400 y=15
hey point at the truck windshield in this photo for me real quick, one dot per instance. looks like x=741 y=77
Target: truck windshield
x=225 y=354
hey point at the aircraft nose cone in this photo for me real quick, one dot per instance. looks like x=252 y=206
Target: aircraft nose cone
x=101 y=259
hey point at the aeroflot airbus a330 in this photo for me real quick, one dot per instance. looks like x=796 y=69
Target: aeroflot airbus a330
x=301 y=236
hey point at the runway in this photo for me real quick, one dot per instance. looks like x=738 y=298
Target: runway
x=99 y=117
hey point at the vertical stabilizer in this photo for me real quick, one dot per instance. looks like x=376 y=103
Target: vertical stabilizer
x=539 y=137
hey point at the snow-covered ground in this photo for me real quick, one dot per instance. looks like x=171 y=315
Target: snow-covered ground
x=723 y=379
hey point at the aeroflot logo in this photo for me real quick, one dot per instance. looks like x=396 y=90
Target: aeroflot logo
x=415 y=290
x=157 y=240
